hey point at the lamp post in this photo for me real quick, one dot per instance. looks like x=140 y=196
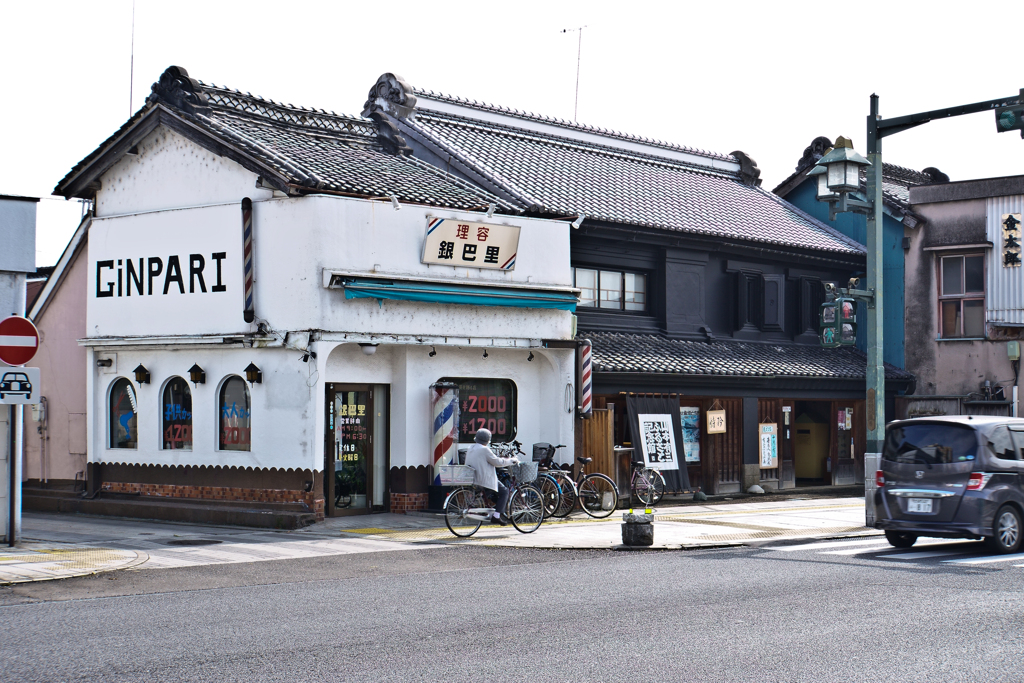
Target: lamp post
x=837 y=175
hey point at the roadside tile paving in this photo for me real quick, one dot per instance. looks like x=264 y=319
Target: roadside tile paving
x=60 y=546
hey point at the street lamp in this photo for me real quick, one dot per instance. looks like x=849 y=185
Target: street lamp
x=838 y=175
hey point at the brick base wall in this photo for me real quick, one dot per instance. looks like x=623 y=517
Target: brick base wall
x=220 y=493
x=406 y=502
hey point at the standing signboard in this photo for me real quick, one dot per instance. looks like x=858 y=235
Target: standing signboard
x=769 y=445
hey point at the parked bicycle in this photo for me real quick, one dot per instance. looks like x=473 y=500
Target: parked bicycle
x=596 y=494
x=646 y=484
x=549 y=486
x=466 y=507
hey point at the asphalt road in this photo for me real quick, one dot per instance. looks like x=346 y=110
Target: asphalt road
x=501 y=614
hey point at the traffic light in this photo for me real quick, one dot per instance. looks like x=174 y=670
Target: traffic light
x=1010 y=118
x=847 y=321
x=838 y=323
x=828 y=327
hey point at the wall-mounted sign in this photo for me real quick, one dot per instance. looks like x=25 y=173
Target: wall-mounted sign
x=658 y=441
x=844 y=419
x=1011 y=224
x=690 y=418
x=769 y=451
x=451 y=242
x=716 y=422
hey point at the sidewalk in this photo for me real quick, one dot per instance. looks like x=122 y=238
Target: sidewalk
x=67 y=545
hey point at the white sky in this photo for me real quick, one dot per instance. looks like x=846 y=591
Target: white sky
x=762 y=77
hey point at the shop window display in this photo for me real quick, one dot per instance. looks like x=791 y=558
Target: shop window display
x=486 y=403
x=177 y=415
x=235 y=415
x=123 y=415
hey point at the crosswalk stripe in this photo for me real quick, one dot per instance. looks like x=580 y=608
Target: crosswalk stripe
x=921 y=556
x=986 y=560
x=832 y=544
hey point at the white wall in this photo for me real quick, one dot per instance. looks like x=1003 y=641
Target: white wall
x=169 y=172
x=282 y=424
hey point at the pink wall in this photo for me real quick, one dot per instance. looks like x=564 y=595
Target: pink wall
x=62 y=365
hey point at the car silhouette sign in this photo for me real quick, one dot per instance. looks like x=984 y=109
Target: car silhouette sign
x=19 y=385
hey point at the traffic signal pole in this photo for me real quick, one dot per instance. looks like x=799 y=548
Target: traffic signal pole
x=875 y=402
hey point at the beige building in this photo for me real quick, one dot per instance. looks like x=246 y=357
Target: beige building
x=964 y=297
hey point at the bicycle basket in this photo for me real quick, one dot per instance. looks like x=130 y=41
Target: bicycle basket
x=456 y=475
x=524 y=472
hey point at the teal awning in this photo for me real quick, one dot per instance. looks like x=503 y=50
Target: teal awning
x=359 y=288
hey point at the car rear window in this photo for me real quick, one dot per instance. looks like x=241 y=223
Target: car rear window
x=930 y=444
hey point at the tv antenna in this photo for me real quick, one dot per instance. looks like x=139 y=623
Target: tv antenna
x=131 y=68
x=579 y=49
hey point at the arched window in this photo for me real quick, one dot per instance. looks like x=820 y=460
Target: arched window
x=177 y=414
x=234 y=415
x=123 y=415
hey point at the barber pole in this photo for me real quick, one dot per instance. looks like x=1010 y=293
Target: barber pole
x=586 y=379
x=444 y=413
x=248 y=308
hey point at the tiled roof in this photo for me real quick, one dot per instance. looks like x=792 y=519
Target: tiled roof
x=314 y=149
x=567 y=176
x=654 y=354
x=562 y=123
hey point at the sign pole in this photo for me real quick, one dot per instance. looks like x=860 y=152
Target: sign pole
x=13 y=471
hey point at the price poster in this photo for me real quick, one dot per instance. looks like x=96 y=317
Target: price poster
x=716 y=422
x=769 y=451
x=690 y=418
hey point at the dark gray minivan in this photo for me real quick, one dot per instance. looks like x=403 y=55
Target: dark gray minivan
x=952 y=477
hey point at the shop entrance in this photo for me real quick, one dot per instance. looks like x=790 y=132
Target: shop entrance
x=356 y=461
x=812 y=443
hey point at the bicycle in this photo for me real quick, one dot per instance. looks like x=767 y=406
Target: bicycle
x=646 y=484
x=548 y=485
x=465 y=508
x=595 y=493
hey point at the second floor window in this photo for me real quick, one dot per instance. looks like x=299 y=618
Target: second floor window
x=611 y=289
x=962 y=296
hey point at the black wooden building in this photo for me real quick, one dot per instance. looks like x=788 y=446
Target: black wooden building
x=696 y=284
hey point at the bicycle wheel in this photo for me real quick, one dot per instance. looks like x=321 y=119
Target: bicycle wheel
x=648 y=486
x=455 y=507
x=526 y=508
x=569 y=496
x=598 y=495
x=551 y=491
x=658 y=487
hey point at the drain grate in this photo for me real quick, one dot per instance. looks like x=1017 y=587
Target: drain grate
x=193 y=541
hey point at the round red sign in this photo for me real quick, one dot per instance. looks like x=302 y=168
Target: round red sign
x=19 y=340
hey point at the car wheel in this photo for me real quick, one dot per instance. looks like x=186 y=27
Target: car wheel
x=1006 y=531
x=900 y=539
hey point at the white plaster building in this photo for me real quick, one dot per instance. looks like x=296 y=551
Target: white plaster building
x=348 y=309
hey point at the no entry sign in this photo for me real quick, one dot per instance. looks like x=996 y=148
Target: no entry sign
x=19 y=340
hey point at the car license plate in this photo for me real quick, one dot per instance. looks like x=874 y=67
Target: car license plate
x=919 y=505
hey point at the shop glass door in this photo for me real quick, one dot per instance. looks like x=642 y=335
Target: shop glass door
x=352 y=431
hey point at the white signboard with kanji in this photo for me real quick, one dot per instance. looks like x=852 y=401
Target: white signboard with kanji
x=658 y=442
x=452 y=242
x=716 y=422
x=769 y=450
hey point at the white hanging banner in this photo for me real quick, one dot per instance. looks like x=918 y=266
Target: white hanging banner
x=658 y=442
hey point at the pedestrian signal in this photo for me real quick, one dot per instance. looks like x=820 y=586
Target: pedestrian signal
x=838 y=323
